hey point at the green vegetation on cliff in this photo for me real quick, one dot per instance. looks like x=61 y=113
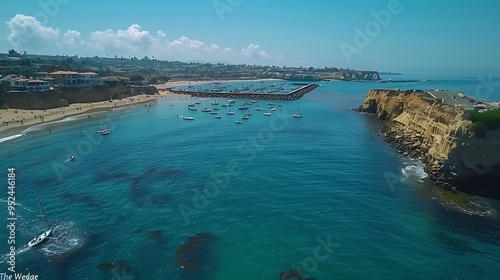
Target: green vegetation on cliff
x=490 y=119
x=483 y=121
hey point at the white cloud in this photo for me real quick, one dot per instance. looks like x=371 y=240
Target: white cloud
x=132 y=39
x=72 y=38
x=254 y=51
x=27 y=33
x=263 y=54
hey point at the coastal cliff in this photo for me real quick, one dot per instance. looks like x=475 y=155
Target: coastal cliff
x=456 y=156
x=62 y=97
x=353 y=75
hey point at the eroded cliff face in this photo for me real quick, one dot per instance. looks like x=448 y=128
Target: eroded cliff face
x=438 y=134
x=61 y=97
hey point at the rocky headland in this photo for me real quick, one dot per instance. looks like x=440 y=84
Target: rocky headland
x=460 y=155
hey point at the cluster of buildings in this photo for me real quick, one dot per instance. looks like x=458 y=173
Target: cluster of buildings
x=44 y=81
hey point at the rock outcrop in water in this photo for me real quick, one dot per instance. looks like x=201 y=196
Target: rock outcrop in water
x=442 y=137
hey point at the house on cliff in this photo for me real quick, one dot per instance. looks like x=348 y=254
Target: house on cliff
x=30 y=84
x=75 y=79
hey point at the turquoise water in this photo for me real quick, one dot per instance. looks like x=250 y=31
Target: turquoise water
x=323 y=193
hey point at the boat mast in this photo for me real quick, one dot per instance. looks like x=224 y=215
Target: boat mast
x=45 y=222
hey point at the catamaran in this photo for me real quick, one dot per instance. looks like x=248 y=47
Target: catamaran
x=37 y=240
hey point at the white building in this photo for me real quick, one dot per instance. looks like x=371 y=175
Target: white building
x=75 y=79
x=30 y=84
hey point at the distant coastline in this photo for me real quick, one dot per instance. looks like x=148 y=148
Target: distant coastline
x=390 y=73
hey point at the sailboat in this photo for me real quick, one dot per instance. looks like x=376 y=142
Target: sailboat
x=206 y=109
x=106 y=130
x=297 y=114
x=37 y=240
x=229 y=112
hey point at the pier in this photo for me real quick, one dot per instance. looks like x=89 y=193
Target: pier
x=292 y=95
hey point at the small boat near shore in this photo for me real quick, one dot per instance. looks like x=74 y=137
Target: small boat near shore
x=188 y=118
x=106 y=130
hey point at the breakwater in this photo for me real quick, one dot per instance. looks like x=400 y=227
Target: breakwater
x=292 y=95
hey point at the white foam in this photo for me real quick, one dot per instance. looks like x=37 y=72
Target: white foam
x=42 y=126
x=77 y=117
x=414 y=169
x=10 y=137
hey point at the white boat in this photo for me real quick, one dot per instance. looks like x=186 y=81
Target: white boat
x=197 y=102
x=248 y=113
x=242 y=107
x=193 y=108
x=297 y=114
x=37 y=240
x=206 y=109
x=188 y=118
x=218 y=117
x=215 y=102
x=245 y=117
x=237 y=122
x=231 y=101
x=106 y=130
x=225 y=105
x=213 y=113
x=267 y=114
x=273 y=109
x=258 y=109
x=215 y=109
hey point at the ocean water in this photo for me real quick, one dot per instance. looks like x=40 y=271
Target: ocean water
x=323 y=194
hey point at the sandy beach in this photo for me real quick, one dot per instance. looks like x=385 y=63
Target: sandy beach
x=14 y=121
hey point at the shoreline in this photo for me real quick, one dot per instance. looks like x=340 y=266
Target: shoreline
x=15 y=121
x=20 y=120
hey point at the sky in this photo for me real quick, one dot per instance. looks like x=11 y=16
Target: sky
x=438 y=38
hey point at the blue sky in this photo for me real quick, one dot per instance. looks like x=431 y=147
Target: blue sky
x=439 y=38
